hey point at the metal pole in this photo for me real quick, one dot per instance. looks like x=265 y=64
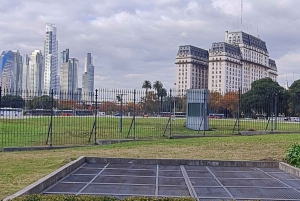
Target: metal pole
x=51 y=118
x=204 y=113
x=134 y=99
x=95 y=134
x=170 y=130
x=275 y=111
x=121 y=113
x=0 y=95
x=174 y=108
x=239 y=107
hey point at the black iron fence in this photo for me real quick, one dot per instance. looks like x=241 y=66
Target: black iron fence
x=29 y=118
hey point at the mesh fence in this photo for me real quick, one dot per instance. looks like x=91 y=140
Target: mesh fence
x=30 y=118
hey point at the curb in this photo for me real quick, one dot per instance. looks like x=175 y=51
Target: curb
x=52 y=178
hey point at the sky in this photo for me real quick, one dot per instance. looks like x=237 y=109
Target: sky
x=134 y=40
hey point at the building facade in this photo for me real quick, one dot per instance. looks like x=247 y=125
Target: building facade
x=88 y=79
x=191 y=69
x=35 y=74
x=51 y=59
x=18 y=71
x=69 y=76
x=224 y=67
x=255 y=61
x=228 y=66
x=7 y=76
x=25 y=74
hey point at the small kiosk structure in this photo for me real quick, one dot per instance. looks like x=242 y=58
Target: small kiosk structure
x=197 y=117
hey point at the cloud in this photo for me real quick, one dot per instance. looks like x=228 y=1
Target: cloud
x=137 y=40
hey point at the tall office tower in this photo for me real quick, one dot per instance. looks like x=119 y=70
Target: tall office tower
x=25 y=74
x=18 y=70
x=88 y=79
x=7 y=76
x=35 y=73
x=191 y=69
x=64 y=66
x=69 y=77
x=51 y=59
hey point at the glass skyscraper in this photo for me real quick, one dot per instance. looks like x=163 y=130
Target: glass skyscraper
x=88 y=79
x=51 y=59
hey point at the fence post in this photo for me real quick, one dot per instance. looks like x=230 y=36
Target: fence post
x=170 y=128
x=239 y=108
x=275 y=111
x=51 y=118
x=96 y=101
x=0 y=95
x=204 y=113
x=134 y=111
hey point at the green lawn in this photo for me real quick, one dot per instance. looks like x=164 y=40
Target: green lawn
x=19 y=169
x=31 y=131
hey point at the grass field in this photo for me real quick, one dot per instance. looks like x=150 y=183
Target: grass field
x=18 y=169
x=32 y=131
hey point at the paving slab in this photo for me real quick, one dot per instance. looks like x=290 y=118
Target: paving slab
x=126 y=178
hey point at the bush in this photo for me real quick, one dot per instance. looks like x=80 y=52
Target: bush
x=92 y=198
x=293 y=155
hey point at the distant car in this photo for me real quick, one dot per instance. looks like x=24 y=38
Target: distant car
x=295 y=119
x=117 y=114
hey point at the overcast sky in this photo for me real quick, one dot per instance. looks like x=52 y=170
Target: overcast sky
x=134 y=40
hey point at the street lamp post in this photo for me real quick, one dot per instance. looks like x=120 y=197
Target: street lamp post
x=120 y=99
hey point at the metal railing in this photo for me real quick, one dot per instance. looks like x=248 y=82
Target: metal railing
x=30 y=118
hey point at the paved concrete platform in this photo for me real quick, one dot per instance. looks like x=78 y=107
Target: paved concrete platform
x=204 y=180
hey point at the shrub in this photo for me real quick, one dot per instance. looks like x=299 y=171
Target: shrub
x=92 y=198
x=293 y=155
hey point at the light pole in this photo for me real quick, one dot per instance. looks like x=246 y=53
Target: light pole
x=120 y=99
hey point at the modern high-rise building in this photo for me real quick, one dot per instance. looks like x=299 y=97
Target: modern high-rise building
x=7 y=76
x=35 y=73
x=51 y=59
x=88 y=79
x=68 y=76
x=229 y=66
x=191 y=69
x=18 y=70
x=25 y=74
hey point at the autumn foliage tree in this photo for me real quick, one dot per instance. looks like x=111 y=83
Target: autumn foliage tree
x=215 y=99
x=67 y=104
x=108 y=107
x=229 y=103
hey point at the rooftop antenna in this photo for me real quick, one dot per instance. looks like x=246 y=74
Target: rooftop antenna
x=257 y=33
x=241 y=14
x=293 y=77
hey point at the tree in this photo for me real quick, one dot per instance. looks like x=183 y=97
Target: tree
x=12 y=101
x=151 y=102
x=67 y=104
x=215 y=99
x=43 y=102
x=260 y=100
x=294 y=99
x=229 y=103
x=157 y=86
x=146 y=85
x=162 y=94
x=108 y=107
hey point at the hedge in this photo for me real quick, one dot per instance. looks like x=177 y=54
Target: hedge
x=93 y=198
